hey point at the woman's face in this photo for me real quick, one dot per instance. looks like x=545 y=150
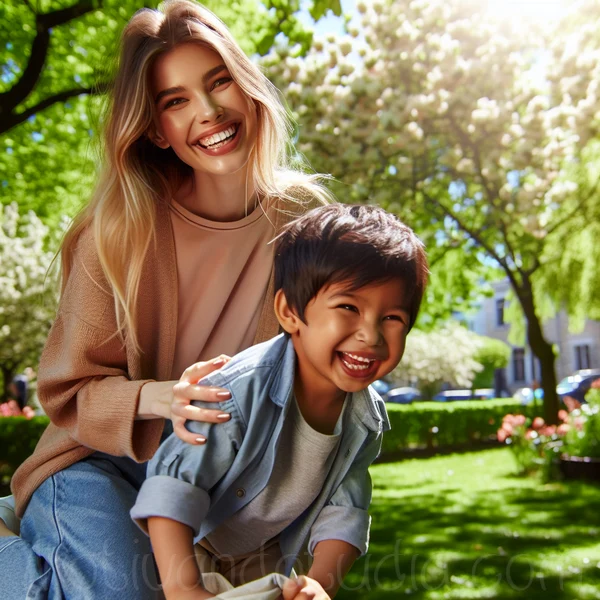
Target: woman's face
x=200 y=111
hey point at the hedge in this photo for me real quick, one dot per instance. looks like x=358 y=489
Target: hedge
x=18 y=438
x=451 y=424
x=420 y=425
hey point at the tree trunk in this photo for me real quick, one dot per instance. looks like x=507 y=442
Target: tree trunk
x=542 y=349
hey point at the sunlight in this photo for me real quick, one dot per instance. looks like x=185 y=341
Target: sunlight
x=529 y=9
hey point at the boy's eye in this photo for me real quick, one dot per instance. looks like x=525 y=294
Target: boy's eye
x=395 y=318
x=347 y=307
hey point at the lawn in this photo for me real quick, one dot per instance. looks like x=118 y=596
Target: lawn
x=464 y=526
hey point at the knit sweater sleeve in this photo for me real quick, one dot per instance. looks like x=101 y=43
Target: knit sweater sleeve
x=84 y=382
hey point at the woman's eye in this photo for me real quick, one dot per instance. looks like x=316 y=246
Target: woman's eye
x=174 y=102
x=221 y=82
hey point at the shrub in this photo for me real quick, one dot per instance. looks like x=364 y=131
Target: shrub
x=437 y=425
x=19 y=436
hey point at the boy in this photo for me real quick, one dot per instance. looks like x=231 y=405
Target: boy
x=291 y=465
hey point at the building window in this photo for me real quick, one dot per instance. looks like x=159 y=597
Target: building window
x=500 y=312
x=582 y=357
x=519 y=364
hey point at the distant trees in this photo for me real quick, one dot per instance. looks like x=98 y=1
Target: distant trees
x=482 y=137
x=450 y=354
x=27 y=293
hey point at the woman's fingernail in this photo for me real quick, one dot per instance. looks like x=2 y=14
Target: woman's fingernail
x=223 y=395
x=223 y=417
x=200 y=440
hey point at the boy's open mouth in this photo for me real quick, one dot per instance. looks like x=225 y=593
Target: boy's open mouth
x=359 y=364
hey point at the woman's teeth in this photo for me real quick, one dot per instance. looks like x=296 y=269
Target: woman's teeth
x=218 y=139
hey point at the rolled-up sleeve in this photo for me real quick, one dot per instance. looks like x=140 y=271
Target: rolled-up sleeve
x=180 y=475
x=345 y=517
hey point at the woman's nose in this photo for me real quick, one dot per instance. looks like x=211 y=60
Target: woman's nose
x=207 y=110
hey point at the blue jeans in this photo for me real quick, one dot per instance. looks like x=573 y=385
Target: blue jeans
x=77 y=539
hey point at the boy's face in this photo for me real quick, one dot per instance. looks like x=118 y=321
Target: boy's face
x=351 y=338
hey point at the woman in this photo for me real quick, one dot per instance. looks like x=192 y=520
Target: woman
x=168 y=266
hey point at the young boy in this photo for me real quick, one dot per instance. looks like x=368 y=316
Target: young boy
x=291 y=465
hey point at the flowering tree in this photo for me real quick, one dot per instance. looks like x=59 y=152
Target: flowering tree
x=478 y=135
x=27 y=295
x=444 y=355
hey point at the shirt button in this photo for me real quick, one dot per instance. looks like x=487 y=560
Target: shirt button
x=241 y=493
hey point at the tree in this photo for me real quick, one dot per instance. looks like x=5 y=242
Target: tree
x=27 y=293
x=491 y=355
x=57 y=60
x=446 y=354
x=477 y=134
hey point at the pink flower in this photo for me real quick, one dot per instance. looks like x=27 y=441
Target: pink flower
x=28 y=412
x=548 y=431
x=563 y=415
x=530 y=434
x=562 y=429
x=502 y=435
x=571 y=403
x=519 y=420
x=578 y=422
x=508 y=428
x=4 y=409
x=15 y=411
x=538 y=423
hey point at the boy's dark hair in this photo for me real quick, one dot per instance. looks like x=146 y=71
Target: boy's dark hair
x=361 y=245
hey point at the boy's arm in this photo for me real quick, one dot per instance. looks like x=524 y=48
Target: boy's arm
x=332 y=561
x=173 y=546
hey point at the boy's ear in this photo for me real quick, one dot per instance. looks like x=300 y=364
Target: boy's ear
x=286 y=315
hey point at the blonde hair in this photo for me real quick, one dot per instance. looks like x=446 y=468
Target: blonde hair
x=137 y=175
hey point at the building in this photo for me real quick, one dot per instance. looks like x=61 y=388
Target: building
x=575 y=350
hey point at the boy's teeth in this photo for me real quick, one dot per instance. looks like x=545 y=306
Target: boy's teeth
x=366 y=362
x=359 y=358
x=217 y=137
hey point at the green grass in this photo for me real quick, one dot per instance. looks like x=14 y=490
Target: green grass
x=464 y=526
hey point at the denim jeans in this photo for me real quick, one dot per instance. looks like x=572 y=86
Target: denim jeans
x=77 y=539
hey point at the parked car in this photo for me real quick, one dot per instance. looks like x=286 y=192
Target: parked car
x=452 y=395
x=578 y=384
x=382 y=387
x=403 y=395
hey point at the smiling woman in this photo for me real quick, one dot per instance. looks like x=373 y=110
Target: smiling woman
x=169 y=265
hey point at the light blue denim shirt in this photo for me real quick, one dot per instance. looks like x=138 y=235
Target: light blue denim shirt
x=202 y=486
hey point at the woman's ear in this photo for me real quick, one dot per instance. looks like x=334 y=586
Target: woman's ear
x=156 y=138
x=286 y=315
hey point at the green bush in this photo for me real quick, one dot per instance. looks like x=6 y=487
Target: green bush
x=18 y=438
x=452 y=424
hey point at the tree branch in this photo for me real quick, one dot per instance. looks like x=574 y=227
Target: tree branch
x=16 y=119
x=575 y=210
x=468 y=230
x=10 y=99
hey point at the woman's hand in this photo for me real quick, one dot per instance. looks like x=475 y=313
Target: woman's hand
x=187 y=389
x=171 y=400
x=304 y=588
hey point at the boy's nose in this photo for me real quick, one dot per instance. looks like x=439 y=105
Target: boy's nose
x=370 y=334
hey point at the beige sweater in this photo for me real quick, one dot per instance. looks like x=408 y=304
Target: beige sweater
x=89 y=382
